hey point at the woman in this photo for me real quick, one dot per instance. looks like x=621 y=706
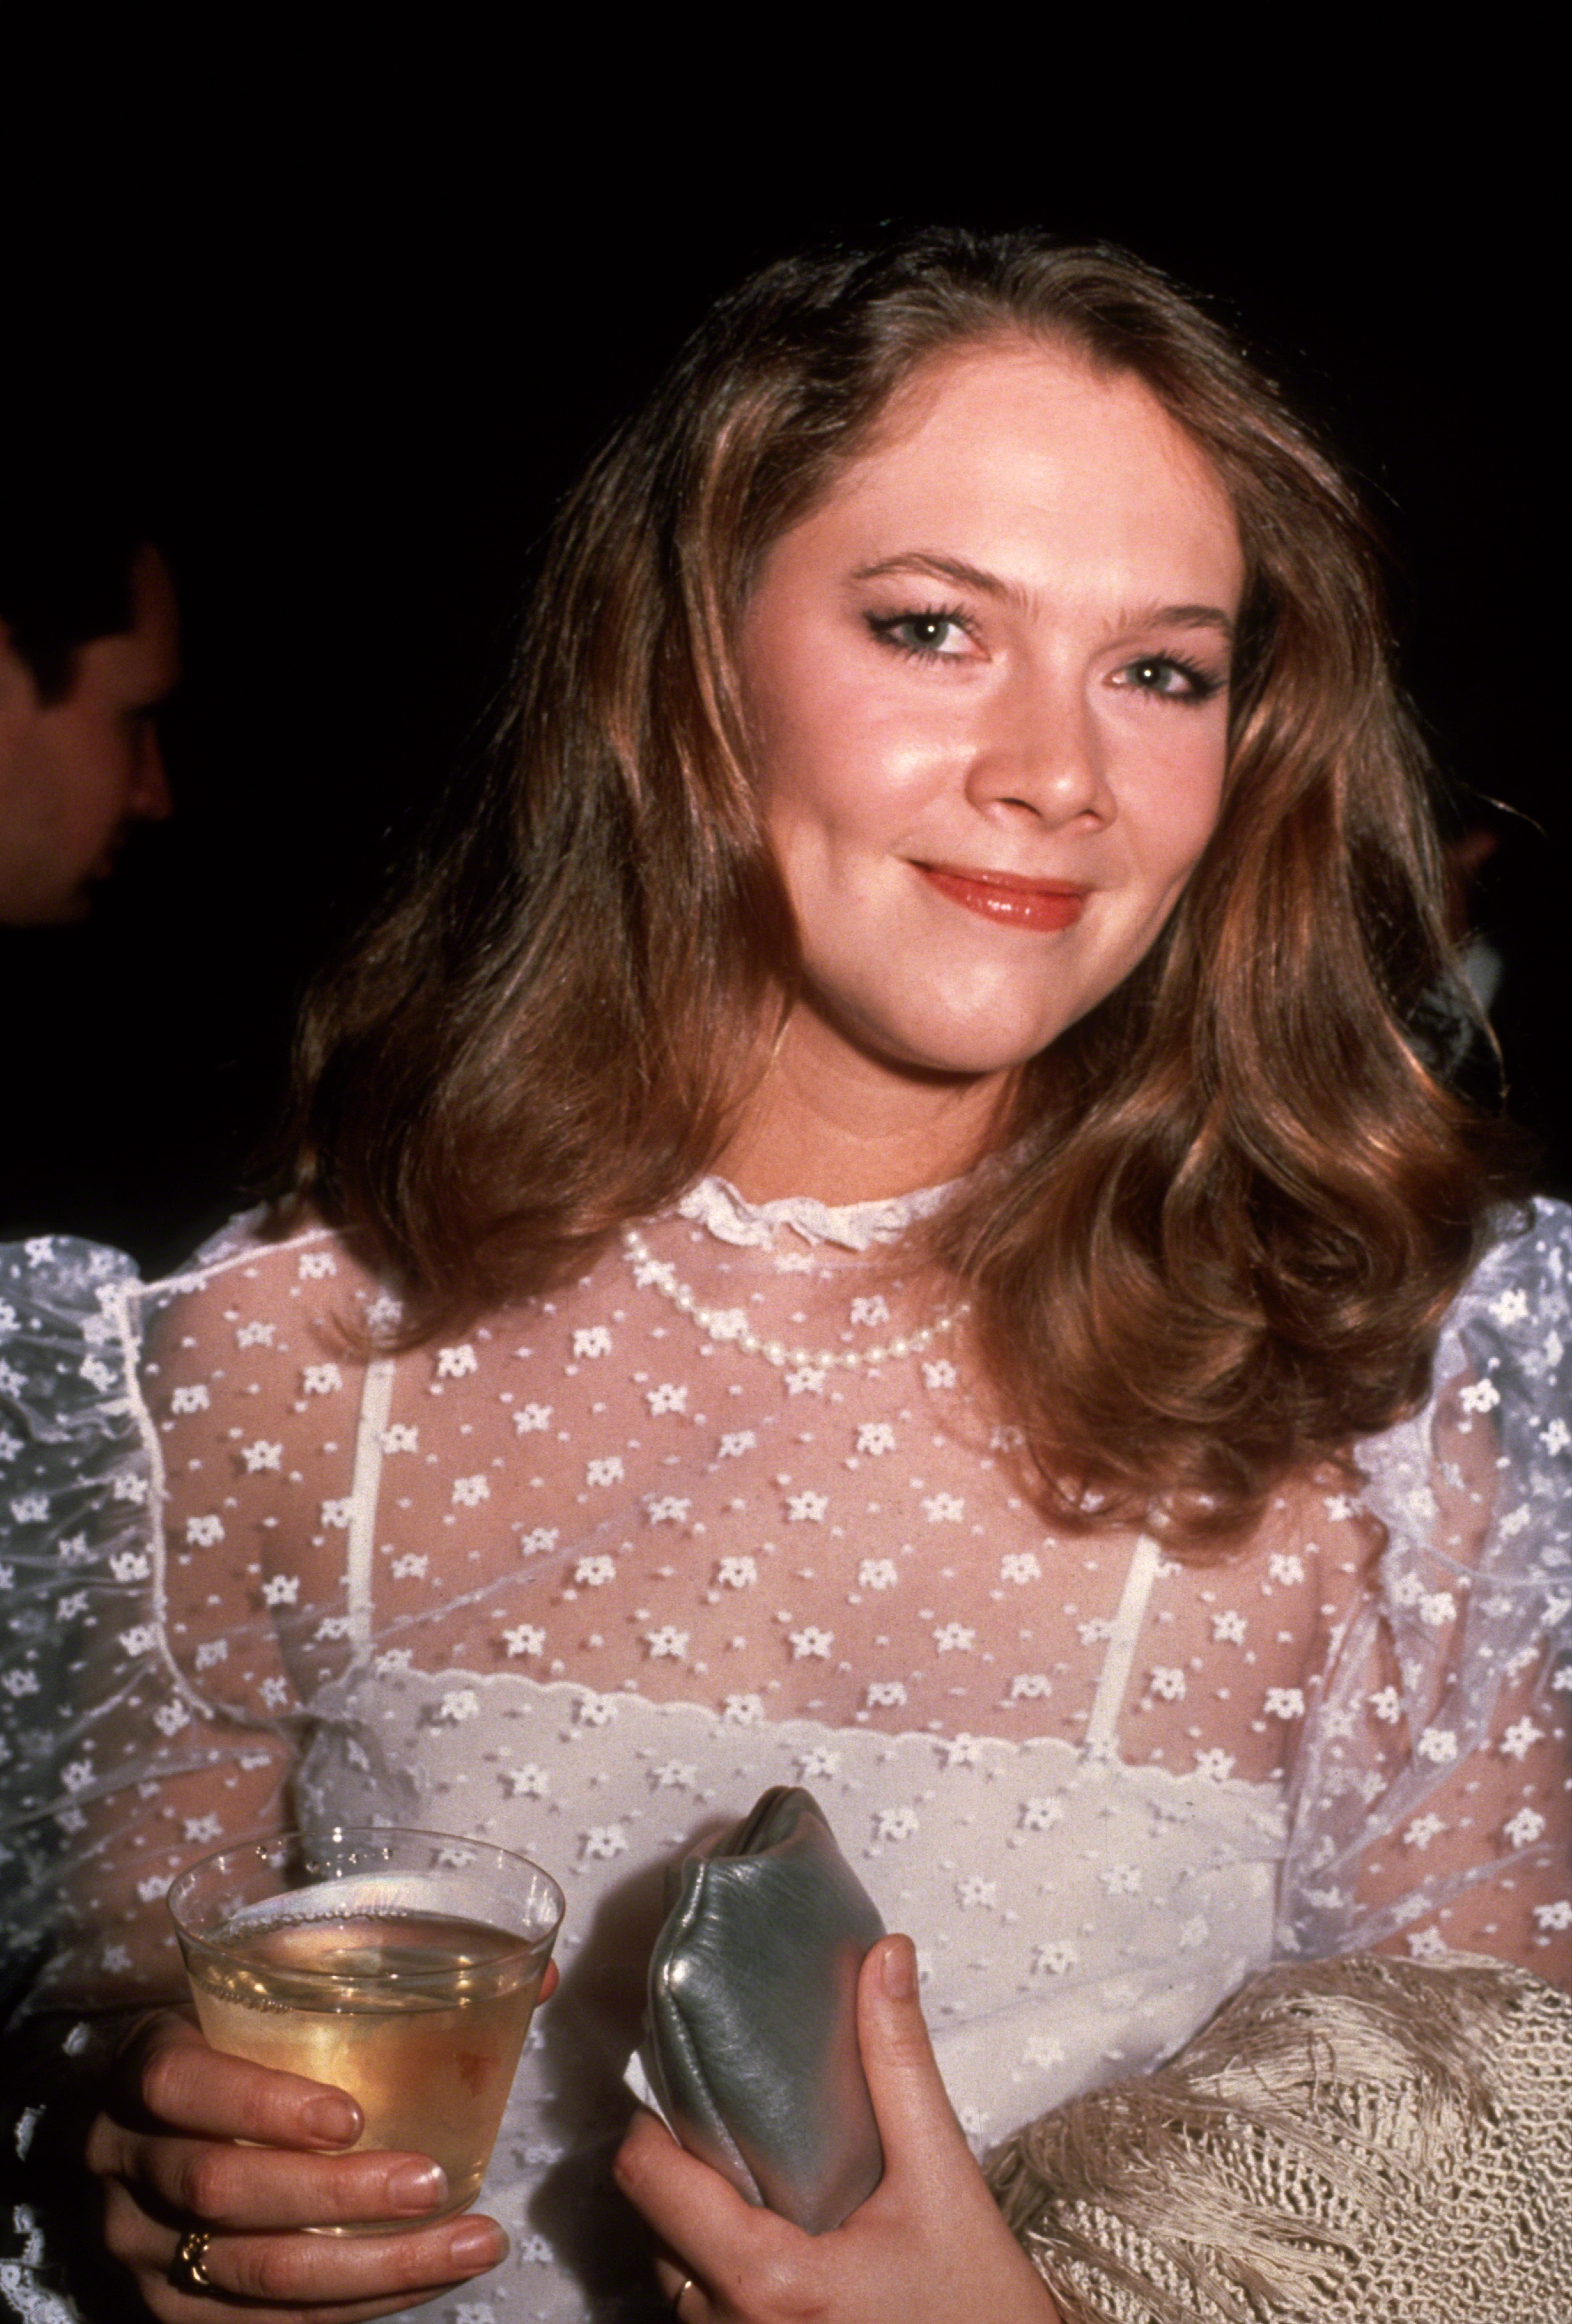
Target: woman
x=874 y=1217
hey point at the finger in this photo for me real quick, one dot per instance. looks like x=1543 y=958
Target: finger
x=683 y=2292
x=170 y=2076
x=330 y=2280
x=548 y=1984
x=916 y=2121
x=975 y=2267
x=293 y=2272
x=725 y=2242
x=224 y=2185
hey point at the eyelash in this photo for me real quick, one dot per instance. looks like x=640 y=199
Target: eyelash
x=1203 y=685
x=886 y=627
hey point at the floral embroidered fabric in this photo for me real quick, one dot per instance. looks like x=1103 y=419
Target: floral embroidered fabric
x=587 y=1579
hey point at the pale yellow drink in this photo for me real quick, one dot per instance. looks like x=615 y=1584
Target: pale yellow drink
x=430 y=2065
x=362 y=1981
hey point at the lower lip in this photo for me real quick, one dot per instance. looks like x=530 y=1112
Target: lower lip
x=1012 y=908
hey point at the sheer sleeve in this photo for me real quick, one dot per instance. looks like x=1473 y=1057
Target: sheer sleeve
x=75 y=1566
x=1352 y=2135
x=168 y=1626
x=1432 y=1791
x=167 y=1623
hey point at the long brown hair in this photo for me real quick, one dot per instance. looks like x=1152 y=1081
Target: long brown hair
x=1233 y=1203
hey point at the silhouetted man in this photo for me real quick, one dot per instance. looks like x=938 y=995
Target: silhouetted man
x=89 y=649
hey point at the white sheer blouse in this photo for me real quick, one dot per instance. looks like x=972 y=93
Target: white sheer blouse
x=587 y=1579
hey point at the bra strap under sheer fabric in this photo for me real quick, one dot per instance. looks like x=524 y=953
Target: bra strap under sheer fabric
x=375 y=1403
x=1102 y=1727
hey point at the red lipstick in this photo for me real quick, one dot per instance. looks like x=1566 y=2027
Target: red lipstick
x=1002 y=896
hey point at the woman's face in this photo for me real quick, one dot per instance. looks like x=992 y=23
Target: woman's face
x=986 y=682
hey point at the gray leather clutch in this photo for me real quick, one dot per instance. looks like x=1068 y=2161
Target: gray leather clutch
x=752 y=2049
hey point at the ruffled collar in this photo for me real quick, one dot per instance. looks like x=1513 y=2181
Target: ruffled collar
x=716 y=1204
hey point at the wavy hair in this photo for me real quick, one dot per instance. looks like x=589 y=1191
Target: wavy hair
x=1233 y=1200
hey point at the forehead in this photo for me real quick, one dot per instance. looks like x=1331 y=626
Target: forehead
x=137 y=667
x=155 y=617
x=1027 y=430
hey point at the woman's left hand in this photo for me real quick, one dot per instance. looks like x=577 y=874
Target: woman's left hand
x=928 y=2245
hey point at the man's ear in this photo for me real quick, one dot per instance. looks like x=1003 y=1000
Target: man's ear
x=18 y=693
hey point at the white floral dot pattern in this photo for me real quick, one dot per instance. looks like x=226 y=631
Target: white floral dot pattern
x=587 y=1579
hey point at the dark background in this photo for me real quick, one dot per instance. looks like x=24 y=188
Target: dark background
x=357 y=314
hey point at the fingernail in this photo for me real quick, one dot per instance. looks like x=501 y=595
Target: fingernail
x=477 y=2243
x=418 y=2186
x=332 y=2122
x=899 y=1967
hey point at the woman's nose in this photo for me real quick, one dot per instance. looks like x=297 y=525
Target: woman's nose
x=1040 y=750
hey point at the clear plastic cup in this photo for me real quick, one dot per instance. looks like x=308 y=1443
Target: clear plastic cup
x=401 y=1966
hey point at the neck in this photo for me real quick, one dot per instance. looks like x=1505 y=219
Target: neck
x=829 y=1122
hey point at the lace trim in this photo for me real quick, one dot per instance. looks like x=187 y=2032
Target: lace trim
x=716 y=1204
x=1088 y=1762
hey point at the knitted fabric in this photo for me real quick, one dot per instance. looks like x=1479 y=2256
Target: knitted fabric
x=1363 y=2141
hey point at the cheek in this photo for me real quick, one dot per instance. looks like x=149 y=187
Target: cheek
x=1174 y=813
x=95 y=781
x=837 y=749
x=856 y=780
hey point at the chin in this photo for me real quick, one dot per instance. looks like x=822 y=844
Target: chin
x=966 y=1037
x=975 y=1053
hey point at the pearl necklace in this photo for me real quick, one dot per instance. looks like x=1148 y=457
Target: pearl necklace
x=730 y=1326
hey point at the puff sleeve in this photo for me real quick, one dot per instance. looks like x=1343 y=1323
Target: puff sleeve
x=1431 y=1798
x=1357 y=2135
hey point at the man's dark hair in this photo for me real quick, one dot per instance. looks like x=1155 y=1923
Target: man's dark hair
x=68 y=538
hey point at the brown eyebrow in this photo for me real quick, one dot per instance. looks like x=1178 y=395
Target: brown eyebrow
x=944 y=569
x=1188 y=617
x=989 y=584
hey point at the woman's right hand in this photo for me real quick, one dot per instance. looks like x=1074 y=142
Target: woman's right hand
x=166 y=2148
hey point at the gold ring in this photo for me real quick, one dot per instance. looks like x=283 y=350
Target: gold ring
x=189 y=2267
x=677 y=2297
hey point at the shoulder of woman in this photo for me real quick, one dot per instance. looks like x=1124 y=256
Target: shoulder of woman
x=266 y=1267
x=266 y=1232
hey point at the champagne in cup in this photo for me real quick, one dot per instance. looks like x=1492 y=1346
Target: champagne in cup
x=402 y=1967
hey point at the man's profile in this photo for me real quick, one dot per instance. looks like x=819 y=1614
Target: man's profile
x=89 y=650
